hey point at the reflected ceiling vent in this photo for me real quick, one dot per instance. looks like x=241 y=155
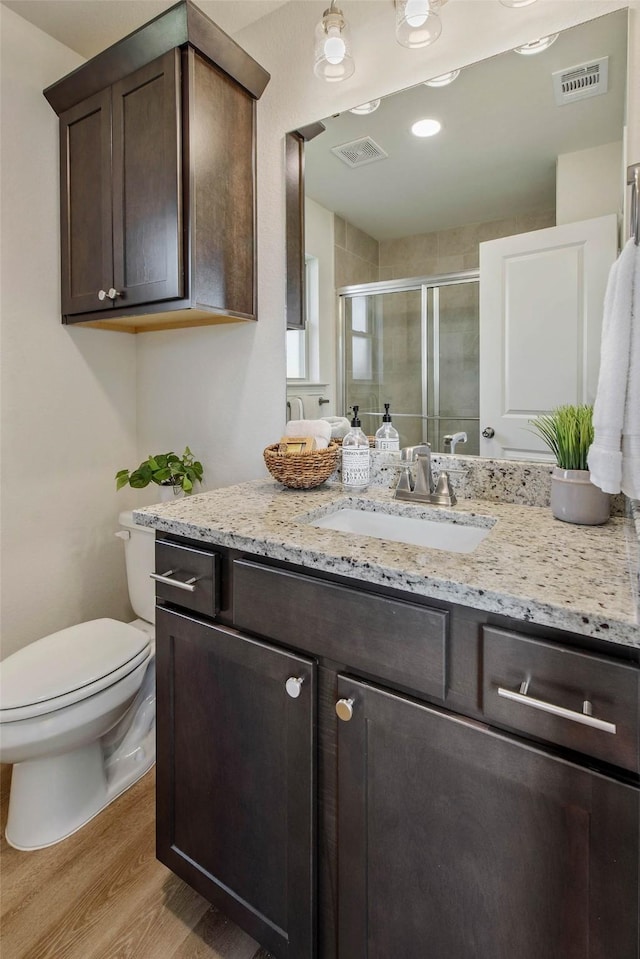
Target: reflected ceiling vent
x=578 y=83
x=359 y=152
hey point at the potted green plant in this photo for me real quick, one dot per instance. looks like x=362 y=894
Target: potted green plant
x=167 y=470
x=568 y=432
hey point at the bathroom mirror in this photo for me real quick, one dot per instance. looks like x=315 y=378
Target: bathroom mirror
x=394 y=222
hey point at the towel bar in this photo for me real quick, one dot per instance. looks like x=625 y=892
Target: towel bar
x=633 y=180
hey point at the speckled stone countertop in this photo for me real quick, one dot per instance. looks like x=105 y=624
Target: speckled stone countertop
x=530 y=566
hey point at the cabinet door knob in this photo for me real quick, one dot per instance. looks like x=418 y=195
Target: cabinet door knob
x=102 y=294
x=344 y=709
x=112 y=293
x=293 y=686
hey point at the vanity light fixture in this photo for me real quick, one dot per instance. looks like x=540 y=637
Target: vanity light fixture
x=426 y=128
x=417 y=22
x=536 y=46
x=443 y=80
x=333 y=59
x=370 y=107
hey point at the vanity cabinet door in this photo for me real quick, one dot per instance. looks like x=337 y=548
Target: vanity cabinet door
x=456 y=841
x=235 y=777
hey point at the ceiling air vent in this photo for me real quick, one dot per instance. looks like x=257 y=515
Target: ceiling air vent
x=359 y=152
x=585 y=80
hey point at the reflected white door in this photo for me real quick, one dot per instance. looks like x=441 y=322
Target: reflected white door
x=541 y=300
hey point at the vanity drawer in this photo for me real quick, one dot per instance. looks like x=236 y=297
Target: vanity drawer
x=402 y=643
x=191 y=577
x=557 y=682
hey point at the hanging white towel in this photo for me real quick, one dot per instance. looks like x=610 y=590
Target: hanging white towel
x=295 y=408
x=614 y=457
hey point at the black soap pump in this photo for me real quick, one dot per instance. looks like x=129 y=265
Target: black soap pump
x=387 y=437
x=355 y=456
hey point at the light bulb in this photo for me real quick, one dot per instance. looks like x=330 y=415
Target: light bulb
x=443 y=80
x=416 y=12
x=516 y=3
x=536 y=46
x=369 y=107
x=334 y=46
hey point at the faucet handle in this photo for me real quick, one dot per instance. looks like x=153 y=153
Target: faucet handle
x=444 y=490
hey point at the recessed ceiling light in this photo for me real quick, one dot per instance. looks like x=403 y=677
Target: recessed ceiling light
x=443 y=80
x=516 y=3
x=426 y=128
x=537 y=46
x=370 y=107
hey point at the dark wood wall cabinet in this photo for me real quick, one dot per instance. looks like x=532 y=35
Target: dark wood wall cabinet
x=341 y=772
x=157 y=179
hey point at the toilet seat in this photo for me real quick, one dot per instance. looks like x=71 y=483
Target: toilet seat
x=68 y=666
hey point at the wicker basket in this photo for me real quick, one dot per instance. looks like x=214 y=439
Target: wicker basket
x=302 y=470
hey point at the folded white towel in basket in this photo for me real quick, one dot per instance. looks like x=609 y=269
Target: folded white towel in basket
x=340 y=426
x=319 y=429
x=614 y=457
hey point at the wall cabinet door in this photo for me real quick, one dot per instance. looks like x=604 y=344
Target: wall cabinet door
x=121 y=193
x=235 y=793
x=86 y=204
x=456 y=841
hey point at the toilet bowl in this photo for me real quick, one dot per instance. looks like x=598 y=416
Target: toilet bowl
x=77 y=712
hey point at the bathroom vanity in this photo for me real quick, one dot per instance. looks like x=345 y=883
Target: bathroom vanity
x=369 y=748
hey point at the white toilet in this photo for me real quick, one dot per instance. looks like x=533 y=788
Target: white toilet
x=77 y=712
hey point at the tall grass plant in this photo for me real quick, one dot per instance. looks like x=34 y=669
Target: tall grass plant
x=568 y=432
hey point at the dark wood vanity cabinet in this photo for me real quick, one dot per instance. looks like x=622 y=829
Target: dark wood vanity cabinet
x=236 y=777
x=158 y=204
x=444 y=826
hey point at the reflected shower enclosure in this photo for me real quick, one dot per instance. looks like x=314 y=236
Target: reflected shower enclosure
x=413 y=343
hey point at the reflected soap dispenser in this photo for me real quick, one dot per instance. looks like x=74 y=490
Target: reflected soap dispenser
x=387 y=437
x=355 y=456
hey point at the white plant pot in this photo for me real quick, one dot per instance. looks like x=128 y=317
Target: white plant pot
x=575 y=499
x=167 y=494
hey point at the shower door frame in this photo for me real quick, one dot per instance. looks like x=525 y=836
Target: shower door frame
x=423 y=284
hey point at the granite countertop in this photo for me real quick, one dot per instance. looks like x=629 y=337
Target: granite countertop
x=530 y=567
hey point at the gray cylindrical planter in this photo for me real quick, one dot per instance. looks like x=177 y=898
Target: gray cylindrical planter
x=574 y=498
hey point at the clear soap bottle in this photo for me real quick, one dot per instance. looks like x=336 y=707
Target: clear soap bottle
x=387 y=437
x=355 y=456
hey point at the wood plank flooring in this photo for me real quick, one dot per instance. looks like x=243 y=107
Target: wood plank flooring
x=101 y=894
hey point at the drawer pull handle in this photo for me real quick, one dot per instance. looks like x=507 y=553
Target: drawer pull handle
x=584 y=717
x=188 y=584
x=344 y=709
x=293 y=686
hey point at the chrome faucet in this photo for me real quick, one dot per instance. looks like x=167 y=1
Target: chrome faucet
x=453 y=440
x=424 y=489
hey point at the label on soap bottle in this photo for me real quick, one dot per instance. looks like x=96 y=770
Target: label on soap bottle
x=390 y=444
x=355 y=466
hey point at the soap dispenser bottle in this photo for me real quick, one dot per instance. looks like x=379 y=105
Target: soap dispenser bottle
x=387 y=437
x=355 y=456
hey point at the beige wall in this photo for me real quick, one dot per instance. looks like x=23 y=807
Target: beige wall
x=68 y=396
x=73 y=400
x=357 y=255
x=588 y=183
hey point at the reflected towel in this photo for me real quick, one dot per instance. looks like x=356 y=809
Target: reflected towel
x=319 y=429
x=614 y=457
x=295 y=408
x=340 y=426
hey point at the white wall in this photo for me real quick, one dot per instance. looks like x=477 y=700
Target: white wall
x=588 y=183
x=68 y=397
x=319 y=242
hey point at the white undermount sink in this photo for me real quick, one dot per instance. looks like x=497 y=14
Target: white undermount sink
x=449 y=532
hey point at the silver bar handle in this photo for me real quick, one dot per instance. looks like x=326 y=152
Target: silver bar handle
x=585 y=717
x=165 y=578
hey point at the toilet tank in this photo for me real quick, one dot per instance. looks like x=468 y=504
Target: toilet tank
x=139 y=553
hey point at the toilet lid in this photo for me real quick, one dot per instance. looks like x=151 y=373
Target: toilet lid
x=68 y=660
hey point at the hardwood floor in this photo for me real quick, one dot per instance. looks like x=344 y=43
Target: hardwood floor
x=101 y=894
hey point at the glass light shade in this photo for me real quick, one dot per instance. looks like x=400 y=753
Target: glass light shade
x=536 y=46
x=370 y=107
x=516 y=3
x=426 y=128
x=333 y=60
x=417 y=25
x=443 y=80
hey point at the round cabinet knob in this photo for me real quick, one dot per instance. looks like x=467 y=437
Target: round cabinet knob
x=344 y=709
x=112 y=294
x=102 y=294
x=488 y=432
x=293 y=686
